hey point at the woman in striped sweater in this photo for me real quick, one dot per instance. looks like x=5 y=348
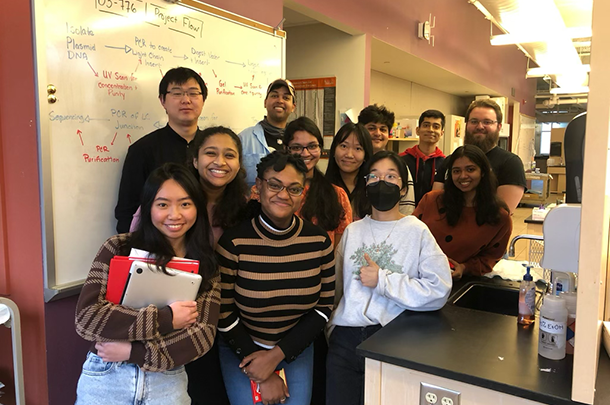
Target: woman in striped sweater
x=277 y=275
x=138 y=355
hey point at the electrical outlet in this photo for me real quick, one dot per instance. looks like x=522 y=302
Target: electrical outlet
x=430 y=394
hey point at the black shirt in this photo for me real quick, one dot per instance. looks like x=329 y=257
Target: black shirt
x=507 y=167
x=145 y=155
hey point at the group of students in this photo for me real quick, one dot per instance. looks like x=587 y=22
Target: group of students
x=300 y=260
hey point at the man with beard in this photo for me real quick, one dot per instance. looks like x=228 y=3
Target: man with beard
x=483 y=124
x=378 y=120
x=266 y=136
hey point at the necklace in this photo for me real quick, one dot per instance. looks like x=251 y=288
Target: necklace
x=373 y=233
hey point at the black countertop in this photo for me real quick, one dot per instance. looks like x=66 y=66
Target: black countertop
x=482 y=349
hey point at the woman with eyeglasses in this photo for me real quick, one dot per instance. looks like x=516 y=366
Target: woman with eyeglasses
x=277 y=276
x=385 y=263
x=351 y=149
x=469 y=221
x=323 y=203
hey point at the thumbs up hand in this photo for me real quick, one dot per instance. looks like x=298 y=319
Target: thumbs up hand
x=369 y=274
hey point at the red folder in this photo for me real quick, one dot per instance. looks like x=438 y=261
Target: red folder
x=119 y=273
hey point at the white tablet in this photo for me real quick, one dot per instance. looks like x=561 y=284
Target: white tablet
x=147 y=285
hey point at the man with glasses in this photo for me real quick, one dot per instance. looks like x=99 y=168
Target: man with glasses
x=483 y=124
x=182 y=93
x=266 y=136
x=378 y=120
x=425 y=158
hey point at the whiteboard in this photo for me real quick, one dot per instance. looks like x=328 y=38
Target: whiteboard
x=101 y=62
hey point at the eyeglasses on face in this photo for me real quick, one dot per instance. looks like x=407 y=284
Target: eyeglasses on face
x=181 y=93
x=391 y=178
x=276 y=187
x=487 y=123
x=296 y=148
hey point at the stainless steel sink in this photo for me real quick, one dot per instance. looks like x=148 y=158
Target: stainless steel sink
x=500 y=298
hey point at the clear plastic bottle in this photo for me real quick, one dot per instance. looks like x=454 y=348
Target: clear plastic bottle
x=527 y=300
x=570 y=299
x=553 y=327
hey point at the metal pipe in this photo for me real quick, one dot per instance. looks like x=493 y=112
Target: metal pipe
x=511 y=245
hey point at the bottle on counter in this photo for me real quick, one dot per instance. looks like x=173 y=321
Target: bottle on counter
x=570 y=299
x=553 y=327
x=527 y=299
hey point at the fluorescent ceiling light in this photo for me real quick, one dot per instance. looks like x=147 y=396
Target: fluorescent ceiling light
x=569 y=90
x=543 y=71
x=540 y=36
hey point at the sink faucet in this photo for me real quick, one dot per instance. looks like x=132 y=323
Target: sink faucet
x=511 y=246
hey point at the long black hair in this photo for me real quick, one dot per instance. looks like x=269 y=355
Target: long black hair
x=198 y=239
x=333 y=173
x=230 y=209
x=321 y=201
x=486 y=201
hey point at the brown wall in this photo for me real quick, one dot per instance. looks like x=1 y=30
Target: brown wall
x=19 y=158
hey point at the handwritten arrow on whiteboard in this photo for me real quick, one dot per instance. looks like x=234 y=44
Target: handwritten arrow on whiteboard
x=79 y=132
x=129 y=137
x=94 y=72
x=236 y=63
x=214 y=73
x=137 y=65
x=126 y=48
x=183 y=57
x=112 y=143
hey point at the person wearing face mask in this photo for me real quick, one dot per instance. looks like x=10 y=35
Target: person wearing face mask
x=468 y=219
x=385 y=263
x=378 y=120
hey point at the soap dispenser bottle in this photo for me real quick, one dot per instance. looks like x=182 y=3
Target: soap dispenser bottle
x=527 y=299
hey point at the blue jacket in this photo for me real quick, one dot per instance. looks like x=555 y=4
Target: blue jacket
x=254 y=146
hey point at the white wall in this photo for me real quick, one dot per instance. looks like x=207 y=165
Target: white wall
x=319 y=50
x=406 y=98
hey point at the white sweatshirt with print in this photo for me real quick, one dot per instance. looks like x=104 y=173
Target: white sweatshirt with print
x=414 y=273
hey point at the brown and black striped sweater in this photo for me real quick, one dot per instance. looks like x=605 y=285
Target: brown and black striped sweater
x=155 y=346
x=278 y=287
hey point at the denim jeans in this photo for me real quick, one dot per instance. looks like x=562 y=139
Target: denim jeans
x=344 y=367
x=298 y=377
x=121 y=383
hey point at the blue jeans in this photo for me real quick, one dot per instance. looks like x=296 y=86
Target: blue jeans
x=298 y=377
x=344 y=367
x=121 y=383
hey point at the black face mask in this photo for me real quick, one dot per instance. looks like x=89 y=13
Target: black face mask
x=383 y=196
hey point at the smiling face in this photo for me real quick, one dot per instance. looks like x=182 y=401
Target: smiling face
x=280 y=206
x=466 y=175
x=279 y=105
x=483 y=136
x=183 y=110
x=173 y=213
x=217 y=161
x=430 y=130
x=349 y=154
x=304 y=139
x=379 y=135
